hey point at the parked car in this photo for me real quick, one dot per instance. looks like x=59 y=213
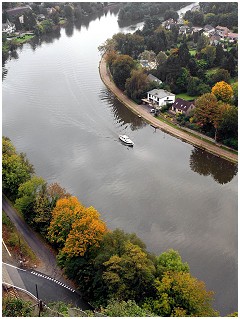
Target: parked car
x=152 y=110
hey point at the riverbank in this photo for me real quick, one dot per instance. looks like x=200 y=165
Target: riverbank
x=177 y=132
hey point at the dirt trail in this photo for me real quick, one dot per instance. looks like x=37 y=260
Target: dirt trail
x=138 y=109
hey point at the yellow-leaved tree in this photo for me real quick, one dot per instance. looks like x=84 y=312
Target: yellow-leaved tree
x=87 y=232
x=63 y=216
x=223 y=91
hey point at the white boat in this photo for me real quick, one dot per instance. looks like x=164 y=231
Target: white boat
x=125 y=139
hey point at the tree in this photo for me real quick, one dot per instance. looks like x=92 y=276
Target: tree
x=63 y=216
x=27 y=194
x=206 y=110
x=235 y=93
x=178 y=293
x=137 y=85
x=128 y=308
x=182 y=80
x=193 y=83
x=171 y=14
x=220 y=75
x=184 y=55
x=121 y=69
x=16 y=307
x=86 y=232
x=161 y=58
x=170 y=261
x=209 y=54
x=228 y=128
x=129 y=276
x=209 y=112
x=16 y=168
x=202 y=42
x=223 y=91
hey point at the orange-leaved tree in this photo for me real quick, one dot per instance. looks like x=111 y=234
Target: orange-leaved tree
x=223 y=91
x=86 y=233
x=63 y=216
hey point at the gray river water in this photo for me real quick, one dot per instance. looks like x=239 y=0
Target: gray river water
x=57 y=110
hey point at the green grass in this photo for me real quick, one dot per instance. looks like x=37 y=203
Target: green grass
x=25 y=38
x=186 y=97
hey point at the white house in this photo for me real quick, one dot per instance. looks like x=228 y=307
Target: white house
x=160 y=97
x=8 y=27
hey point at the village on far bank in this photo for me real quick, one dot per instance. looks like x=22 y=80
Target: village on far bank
x=182 y=68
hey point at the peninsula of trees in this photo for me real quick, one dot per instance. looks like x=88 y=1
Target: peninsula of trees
x=191 y=58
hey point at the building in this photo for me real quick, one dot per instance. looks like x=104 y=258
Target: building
x=181 y=106
x=8 y=27
x=222 y=31
x=160 y=97
x=153 y=78
x=17 y=11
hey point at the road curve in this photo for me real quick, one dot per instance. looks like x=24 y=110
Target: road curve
x=184 y=136
x=46 y=255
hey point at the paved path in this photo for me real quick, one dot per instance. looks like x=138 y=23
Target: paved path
x=138 y=109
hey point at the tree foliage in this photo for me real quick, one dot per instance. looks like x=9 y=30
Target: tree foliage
x=223 y=91
x=16 y=307
x=16 y=168
x=137 y=85
x=86 y=232
x=121 y=69
x=180 y=294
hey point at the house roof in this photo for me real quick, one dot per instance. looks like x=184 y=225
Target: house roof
x=225 y=30
x=181 y=104
x=18 y=10
x=160 y=93
x=153 y=78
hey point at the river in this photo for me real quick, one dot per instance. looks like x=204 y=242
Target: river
x=57 y=110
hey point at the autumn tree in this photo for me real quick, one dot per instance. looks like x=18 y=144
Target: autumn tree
x=223 y=91
x=86 y=232
x=180 y=294
x=63 y=216
x=207 y=111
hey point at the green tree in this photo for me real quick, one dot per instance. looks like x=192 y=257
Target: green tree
x=121 y=69
x=202 y=42
x=209 y=54
x=16 y=168
x=129 y=276
x=128 y=308
x=184 y=55
x=137 y=85
x=170 y=261
x=161 y=58
x=27 y=194
x=178 y=293
x=16 y=308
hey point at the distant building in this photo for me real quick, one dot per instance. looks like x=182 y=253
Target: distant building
x=181 y=106
x=184 y=29
x=153 y=78
x=17 y=11
x=222 y=31
x=8 y=27
x=160 y=97
x=232 y=36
